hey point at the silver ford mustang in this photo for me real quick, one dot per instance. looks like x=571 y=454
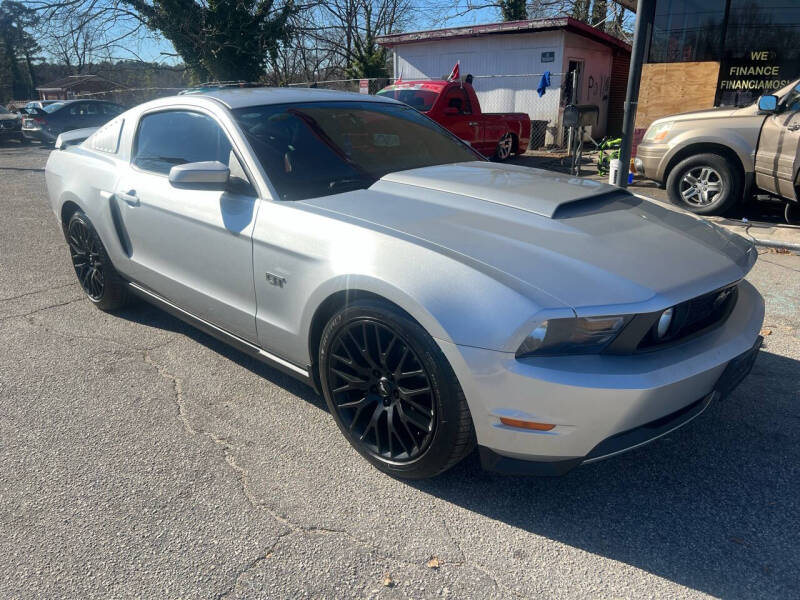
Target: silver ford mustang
x=437 y=300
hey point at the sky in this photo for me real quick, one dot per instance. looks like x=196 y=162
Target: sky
x=152 y=49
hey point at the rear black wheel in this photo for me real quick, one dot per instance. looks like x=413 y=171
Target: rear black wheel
x=97 y=276
x=392 y=392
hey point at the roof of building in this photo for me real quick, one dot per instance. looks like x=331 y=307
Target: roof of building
x=503 y=28
x=80 y=82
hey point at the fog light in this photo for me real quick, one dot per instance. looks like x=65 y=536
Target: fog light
x=664 y=321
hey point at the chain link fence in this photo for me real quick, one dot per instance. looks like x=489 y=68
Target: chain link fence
x=496 y=93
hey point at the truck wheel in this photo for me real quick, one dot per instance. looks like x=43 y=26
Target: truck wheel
x=705 y=184
x=504 y=147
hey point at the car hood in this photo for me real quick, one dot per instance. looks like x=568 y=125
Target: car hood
x=592 y=246
x=722 y=112
x=8 y=117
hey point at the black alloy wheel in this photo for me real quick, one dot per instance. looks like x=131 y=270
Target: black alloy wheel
x=392 y=392
x=382 y=391
x=97 y=276
x=87 y=258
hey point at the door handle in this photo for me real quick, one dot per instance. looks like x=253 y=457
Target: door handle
x=472 y=123
x=129 y=197
x=794 y=127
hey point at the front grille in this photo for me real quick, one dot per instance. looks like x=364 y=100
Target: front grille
x=693 y=317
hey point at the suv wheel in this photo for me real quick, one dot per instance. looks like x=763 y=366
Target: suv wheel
x=705 y=184
x=392 y=392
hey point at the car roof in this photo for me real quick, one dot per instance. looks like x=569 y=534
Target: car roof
x=243 y=97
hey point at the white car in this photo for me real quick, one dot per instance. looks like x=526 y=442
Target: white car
x=436 y=299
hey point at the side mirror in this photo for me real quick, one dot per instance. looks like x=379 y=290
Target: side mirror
x=212 y=174
x=768 y=104
x=451 y=111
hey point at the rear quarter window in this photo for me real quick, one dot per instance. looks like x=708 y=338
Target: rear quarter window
x=106 y=139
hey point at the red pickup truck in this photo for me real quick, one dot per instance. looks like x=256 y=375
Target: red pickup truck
x=454 y=105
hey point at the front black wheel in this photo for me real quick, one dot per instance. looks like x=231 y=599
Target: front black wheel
x=97 y=276
x=392 y=392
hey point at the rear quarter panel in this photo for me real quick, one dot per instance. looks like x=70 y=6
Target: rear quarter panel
x=80 y=176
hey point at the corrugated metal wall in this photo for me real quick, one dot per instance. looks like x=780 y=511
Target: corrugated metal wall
x=499 y=56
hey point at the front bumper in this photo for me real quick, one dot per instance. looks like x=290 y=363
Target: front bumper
x=10 y=133
x=601 y=404
x=40 y=135
x=649 y=161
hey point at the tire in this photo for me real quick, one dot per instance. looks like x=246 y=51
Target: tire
x=792 y=212
x=705 y=184
x=505 y=147
x=100 y=281
x=392 y=392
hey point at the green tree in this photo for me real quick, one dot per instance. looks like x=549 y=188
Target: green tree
x=220 y=39
x=599 y=13
x=17 y=47
x=513 y=10
x=368 y=60
x=580 y=10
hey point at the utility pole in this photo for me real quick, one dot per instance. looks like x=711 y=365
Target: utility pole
x=641 y=43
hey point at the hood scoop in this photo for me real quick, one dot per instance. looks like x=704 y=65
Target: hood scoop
x=532 y=190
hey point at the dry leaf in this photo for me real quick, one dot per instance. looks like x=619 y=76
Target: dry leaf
x=766 y=332
x=737 y=540
x=433 y=563
x=388 y=581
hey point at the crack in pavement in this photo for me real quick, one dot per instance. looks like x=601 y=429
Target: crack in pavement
x=44 y=308
x=465 y=562
x=292 y=528
x=50 y=289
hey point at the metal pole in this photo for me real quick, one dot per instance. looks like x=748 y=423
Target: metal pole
x=573 y=100
x=641 y=42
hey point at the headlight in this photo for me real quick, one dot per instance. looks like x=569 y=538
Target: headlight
x=658 y=133
x=586 y=335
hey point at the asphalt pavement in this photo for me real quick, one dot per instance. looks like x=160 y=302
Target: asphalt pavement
x=140 y=458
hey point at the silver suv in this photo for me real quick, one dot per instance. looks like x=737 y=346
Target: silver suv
x=711 y=159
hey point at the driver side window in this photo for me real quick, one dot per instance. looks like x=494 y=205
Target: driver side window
x=175 y=137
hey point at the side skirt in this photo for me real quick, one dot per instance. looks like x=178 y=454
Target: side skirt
x=299 y=373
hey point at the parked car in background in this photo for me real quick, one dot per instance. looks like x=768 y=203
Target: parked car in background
x=455 y=105
x=711 y=159
x=436 y=299
x=45 y=124
x=10 y=125
x=39 y=104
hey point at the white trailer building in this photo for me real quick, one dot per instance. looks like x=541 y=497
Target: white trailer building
x=508 y=59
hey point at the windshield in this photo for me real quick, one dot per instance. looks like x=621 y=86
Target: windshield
x=4 y=110
x=422 y=100
x=321 y=148
x=52 y=107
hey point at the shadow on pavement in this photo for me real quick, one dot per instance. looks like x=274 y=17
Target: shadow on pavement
x=713 y=506
x=148 y=315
